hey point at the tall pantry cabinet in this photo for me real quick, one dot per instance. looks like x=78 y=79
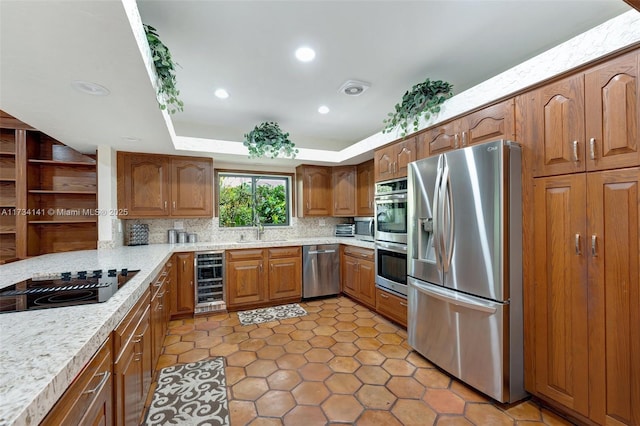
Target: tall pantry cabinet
x=581 y=140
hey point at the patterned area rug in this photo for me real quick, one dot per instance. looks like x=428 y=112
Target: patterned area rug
x=191 y=394
x=274 y=313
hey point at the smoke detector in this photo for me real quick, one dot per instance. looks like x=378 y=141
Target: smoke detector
x=353 y=87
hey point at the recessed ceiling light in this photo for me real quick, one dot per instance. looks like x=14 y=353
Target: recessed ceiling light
x=353 y=87
x=90 y=88
x=305 y=54
x=221 y=93
x=323 y=109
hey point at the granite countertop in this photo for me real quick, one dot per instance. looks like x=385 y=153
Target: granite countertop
x=41 y=352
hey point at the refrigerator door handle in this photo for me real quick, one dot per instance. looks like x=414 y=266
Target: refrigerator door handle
x=447 y=201
x=457 y=300
x=436 y=214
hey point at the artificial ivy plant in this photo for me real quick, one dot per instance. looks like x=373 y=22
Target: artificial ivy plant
x=267 y=139
x=166 y=71
x=422 y=100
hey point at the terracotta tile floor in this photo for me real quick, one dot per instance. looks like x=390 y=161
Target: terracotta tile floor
x=340 y=364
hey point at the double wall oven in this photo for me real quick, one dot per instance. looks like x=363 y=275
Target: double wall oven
x=391 y=236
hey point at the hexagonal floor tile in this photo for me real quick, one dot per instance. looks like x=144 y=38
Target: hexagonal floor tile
x=373 y=374
x=377 y=418
x=375 y=397
x=261 y=368
x=241 y=412
x=310 y=393
x=193 y=356
x=241 y=358
x=250 y=388
x=343 y=364
x=275 y=403
x=486 y=414
x=344 y=383
x=305 y=415
x=342 y=408
x=318 y=355
x=414 y=412
x=405 y=387
x=315 y=371
x=344 y=349
x=284 y=379
x=444 y=401
x=370 y=357
x=291 y=361
x=398 y=367
x=179 y=348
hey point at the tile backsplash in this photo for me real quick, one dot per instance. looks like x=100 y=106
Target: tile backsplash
x=207 y=229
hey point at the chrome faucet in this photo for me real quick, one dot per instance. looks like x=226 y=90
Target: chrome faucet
x=259 y=228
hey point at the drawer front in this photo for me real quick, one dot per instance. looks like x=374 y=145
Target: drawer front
x=359 y=252
x=127 y=326
x=391 y=306
x=248 y=254
x=93 y=383
x=281 y=252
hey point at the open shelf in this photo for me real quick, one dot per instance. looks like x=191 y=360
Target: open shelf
x=61 y=163
x=53 y=192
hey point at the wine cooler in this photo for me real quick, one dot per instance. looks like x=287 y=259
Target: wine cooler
x=209 y=271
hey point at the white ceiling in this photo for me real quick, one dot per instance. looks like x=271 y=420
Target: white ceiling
x=247 y=47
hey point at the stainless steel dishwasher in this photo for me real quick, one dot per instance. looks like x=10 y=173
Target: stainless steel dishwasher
x=320 y=270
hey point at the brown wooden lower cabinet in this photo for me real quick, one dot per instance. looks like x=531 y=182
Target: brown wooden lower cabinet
x=89 y=399
x=132 y=368
x=183 y=296
x=358 y=274
x=260 y=277
x=391 y=306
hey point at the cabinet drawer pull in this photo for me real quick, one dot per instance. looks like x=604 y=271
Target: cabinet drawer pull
x=105 y=377
x=577 y=243
x=592 y=148
x=575 y=151
x=384 y=296
x=594 y=252
x=403 y=304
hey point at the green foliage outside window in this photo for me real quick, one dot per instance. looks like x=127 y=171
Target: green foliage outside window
x=244 y=200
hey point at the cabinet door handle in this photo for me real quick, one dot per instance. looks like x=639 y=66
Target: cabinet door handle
x=384 y=296
x=575 y=151
x=594 y=251
x=271 y=267
x=464 y=138
x=577 y=243
x=260 y=268
x=403 y=304
x=165 y=205
x=174 y=205
x=592 y=148
x=105 y=377
x=455 y=140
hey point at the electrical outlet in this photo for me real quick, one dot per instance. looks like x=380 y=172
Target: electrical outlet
x=178 y=225
x=322 y=222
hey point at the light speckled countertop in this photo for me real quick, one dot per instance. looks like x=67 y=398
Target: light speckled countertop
x=41 y=352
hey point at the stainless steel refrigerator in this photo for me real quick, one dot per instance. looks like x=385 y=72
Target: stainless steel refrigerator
x=464 y=266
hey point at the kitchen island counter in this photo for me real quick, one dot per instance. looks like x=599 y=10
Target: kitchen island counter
x=42 y=351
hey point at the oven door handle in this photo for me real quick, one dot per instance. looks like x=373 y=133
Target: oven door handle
x=391 y=197
x=396 y=248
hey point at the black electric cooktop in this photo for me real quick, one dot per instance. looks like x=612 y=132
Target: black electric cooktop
x=65 y=289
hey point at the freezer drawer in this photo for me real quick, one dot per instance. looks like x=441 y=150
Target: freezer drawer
x=466 y=336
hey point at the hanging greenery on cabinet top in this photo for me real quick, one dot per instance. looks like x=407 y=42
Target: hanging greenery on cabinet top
x=166 y=71
x=421 y=101
x=267 y=139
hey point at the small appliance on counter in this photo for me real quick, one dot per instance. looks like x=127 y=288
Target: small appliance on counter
x=137 y=234
x=364 y=228
x=345 y=230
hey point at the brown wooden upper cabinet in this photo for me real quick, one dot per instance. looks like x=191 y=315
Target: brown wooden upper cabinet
x=365 y=182
x=344 y=190
x=488 y=124
x=588 y=121
x=391 y=161
x=152 y=185
x=314 y=190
